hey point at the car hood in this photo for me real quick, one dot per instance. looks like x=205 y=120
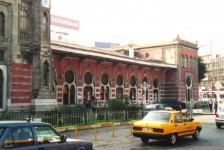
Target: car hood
x=77 y=143
x=74 y=140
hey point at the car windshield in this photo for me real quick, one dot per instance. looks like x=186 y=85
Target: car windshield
x=221 y=108
x=157 y=116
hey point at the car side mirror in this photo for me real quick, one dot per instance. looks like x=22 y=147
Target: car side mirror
x=63 y=138
x=192 y=119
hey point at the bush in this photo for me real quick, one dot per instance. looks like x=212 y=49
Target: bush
x=133 y=107
x=73 y=109
x=183 y=105
x=116 y=105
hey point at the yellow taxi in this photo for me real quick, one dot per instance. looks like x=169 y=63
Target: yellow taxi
x=166 y=124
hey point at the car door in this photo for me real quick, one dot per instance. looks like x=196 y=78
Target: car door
x=48 y=139
x=19 y=138
x=189 y=126
x=179 y=125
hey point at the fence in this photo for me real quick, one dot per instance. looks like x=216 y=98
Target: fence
x=58 y=119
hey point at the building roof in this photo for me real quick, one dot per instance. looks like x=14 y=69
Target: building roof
x=110 y=55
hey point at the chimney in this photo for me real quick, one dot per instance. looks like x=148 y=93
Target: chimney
x=131 y=51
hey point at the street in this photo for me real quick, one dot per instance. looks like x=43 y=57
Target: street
x=210 y=138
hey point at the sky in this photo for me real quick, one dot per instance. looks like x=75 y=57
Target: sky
x=145 y=21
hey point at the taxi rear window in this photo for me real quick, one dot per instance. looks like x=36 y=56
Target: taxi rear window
x=157 y=116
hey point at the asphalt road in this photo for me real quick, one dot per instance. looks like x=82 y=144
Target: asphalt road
x=211 y=138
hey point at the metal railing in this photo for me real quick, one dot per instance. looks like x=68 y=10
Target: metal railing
x=75 y=119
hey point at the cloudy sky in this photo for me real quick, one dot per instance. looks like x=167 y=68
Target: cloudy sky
x=142 y=21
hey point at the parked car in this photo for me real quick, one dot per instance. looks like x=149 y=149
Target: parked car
x=166 y=124
x=220 y=115
x=25 y=135
x=175 y=104
x=157 y=106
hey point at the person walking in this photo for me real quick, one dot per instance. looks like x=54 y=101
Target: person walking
x=215 y=105
x=210 y=105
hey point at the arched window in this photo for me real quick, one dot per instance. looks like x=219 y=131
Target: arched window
x=133 y=89
x=145 y=89
x=194 y=63
x=88 y=93
x=2 y=24
x=186 y=62
x=191 y=63
x=46 y=73
x=24 y=19
x=155 y=90
x=182 y=61
x=45 y=26
x=69 y=89
x=189 y=89
x=119 y=86
x=104 y=90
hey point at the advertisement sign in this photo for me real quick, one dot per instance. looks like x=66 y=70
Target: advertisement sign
x=64 y=29
x=64 y=22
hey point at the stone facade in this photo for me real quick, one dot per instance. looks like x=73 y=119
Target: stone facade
x=27 y=60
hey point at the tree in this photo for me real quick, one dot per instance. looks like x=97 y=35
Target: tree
x=202 y=69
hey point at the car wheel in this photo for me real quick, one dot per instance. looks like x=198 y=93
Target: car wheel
x=144 y=140
x=172 y=139
x=218 y=125
x=196 y=134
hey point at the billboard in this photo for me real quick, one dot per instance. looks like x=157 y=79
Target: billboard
x=64 y=29
x=64 y=22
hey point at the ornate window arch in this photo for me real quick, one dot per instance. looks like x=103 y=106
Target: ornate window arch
x=69 y=88
x=182 y=61
x=2 y=24
x=186 y=62
x=45 y=22
x=119 y=86
x=156 y=95
x=104 y=87
x=189 y=88
x=24 y=19
x=133 y=88
x=88 y=92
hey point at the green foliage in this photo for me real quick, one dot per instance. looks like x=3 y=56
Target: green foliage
x=66 y=109
x=183 y=105
x=6 y=116
x=133 y=107
x=116 y=105
x=201 y=69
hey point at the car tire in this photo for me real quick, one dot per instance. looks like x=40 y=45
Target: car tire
x=218 y=125
x=172 y=139
x=144 y=140
x=196 y=134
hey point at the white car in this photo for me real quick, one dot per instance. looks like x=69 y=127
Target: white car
x=220 y=115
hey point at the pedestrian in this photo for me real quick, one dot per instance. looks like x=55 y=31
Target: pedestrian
x=210 y=105
x=215 y=105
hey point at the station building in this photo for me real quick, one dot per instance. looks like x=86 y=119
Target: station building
x=37 y=74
